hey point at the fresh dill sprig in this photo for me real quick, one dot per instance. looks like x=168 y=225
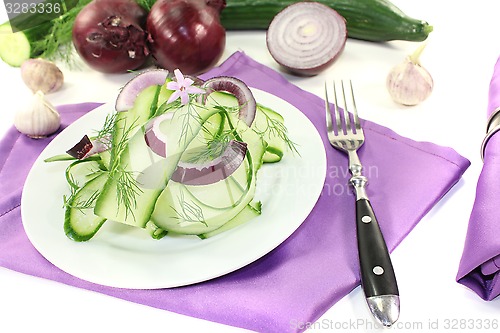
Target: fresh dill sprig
x=275 y=128
x=217 y=140
x=227 y=110
x=119 y=146
x=127 y=187
x=107 y=129
x=69 y=201
x=186 y=119
x=166 y=107
x=190 y=212
x=105 y=134
x=55 y=42
x=214 y=146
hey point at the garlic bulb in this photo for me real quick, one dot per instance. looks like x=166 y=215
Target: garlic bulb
x=38 y=118
x=409 y=83
x=41 y=74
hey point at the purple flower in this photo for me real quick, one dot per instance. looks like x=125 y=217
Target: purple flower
x=182 y=87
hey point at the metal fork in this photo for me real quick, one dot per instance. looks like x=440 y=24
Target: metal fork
x=377 y=274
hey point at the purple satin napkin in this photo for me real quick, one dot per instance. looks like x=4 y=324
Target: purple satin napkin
x=479 y=267
x=302 y=278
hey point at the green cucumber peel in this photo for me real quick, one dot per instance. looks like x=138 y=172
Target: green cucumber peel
x=59 y=158
x=70 y=177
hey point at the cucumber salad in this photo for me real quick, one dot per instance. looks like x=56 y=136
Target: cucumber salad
x=179 y=155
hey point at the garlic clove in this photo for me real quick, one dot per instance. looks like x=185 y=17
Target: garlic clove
x=409 y=83
x=38 y=118
x=41 y=74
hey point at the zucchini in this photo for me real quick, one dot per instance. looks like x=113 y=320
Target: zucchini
x=372 y=20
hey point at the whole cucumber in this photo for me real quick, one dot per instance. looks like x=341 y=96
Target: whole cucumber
x=372 y=20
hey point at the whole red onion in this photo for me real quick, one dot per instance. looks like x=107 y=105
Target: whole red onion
x=186 y=34
x=108 y=35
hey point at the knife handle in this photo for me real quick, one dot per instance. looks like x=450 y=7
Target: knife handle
x=377 y=273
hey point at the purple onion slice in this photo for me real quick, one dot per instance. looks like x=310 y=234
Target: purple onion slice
x=306 y=37
x=86 y=147
x=239 y=89
x=126 y=98
x=213 y=171
x=155 y=138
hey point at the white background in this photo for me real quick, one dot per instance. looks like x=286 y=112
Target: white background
x=460 y=55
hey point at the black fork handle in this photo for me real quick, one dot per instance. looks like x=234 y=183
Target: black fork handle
x=377 y=272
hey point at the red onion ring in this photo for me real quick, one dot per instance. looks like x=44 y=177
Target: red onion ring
x=155 y=139
x=246 y=101
x=216 y=170
x=126 y=97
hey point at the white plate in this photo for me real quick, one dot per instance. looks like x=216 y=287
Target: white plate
x=126 y=257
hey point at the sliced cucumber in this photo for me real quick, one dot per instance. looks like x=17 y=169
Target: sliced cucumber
x=204 y=210
x=80 y=172
x=268 y=123
x=191 y=209
x=116 y=202
x=245 y=215
x=229 y=191
x=127 y=128
x=127 y=123
x=15 y=47
x=80 y=222
x=105 y=159
x=139 y=160
x=186 y=210
x=154 y=231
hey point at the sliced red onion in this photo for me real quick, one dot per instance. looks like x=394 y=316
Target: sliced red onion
x=126 y=98
x=216 y=170
x=86 y=147
x=155 y=138
x=306 y=37
x=239 y=89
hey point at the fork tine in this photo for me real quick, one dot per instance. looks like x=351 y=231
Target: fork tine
x=347 y=119
x=355 y=110
x=328 y=112
x=336 y=109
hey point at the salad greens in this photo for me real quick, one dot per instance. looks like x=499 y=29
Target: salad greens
x=170 y=167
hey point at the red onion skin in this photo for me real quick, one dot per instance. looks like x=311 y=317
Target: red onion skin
x=186 y=34
x=81 y=148
x=86 y=147
x=109 y=36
